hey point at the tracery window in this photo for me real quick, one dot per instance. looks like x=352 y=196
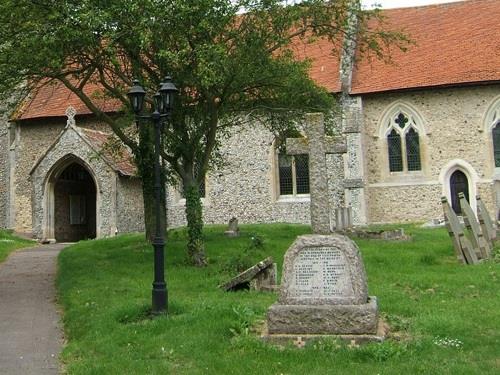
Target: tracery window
x=293 y=174
x=403 y=143
x=496 y=143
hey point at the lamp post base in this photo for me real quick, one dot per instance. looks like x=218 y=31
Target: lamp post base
x=159 y=295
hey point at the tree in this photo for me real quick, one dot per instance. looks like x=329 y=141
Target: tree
x=228 y=57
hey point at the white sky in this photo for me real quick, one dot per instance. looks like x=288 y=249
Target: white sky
x=403 y=3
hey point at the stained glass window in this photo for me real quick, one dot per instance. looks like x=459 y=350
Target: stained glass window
x=496 y=144
x=413 y=150
x=394 y=149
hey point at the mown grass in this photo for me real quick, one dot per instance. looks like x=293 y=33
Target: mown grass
x=432 y=302
x=9 y=243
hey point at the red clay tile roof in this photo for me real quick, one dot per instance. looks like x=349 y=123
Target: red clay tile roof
x=456 y=43
x=324 y=65
x=119 y=157
x=52 y=100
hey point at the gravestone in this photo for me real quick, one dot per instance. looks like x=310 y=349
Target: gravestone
x=317 y=145
x=486 y=223
x=324 y=291
x=463 y=248
x=232 y=228
x=479 y=242
x=261 y=276
x=343 y=218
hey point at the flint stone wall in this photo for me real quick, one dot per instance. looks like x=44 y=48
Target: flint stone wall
x=246 y=186
x=130 y=206
x=454 y=122
x=35 y=137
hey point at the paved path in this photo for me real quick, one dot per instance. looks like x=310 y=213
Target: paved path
x=30 y=334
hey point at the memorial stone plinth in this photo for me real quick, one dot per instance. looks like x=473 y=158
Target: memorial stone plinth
x=323 y=291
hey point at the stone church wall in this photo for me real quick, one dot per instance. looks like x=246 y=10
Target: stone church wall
x=246 y=186
x=454 y=122
x=35 y=137
x=130 y=207
x=103 y=175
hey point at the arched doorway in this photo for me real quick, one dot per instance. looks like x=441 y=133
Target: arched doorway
x=74 y=204
x=458 y=184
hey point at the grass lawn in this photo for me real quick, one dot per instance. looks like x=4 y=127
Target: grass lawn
x=9 y=243
x=445 y=316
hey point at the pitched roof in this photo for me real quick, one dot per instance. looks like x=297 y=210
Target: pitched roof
x=455 y=44
x=52 y=99
x=117 y=157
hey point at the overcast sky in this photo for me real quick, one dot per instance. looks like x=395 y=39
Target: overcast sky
x=403 y=3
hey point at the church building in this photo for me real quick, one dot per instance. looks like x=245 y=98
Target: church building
x=423 y=126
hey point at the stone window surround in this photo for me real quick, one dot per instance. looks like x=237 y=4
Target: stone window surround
x=276 y=181
x=490 y=120
x=381 y=136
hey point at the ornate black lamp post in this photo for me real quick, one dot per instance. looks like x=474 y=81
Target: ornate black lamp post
x=163 y=104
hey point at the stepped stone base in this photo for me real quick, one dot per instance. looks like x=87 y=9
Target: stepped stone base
x=306 y=339
x=323 y=319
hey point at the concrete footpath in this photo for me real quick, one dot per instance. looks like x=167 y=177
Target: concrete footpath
x=30 y=332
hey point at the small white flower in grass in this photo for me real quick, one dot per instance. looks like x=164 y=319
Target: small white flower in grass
x=448 y=342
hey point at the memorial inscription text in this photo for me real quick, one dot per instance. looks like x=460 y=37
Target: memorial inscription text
x=321 y=272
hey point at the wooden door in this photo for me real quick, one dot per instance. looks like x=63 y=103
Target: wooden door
x=458 y=184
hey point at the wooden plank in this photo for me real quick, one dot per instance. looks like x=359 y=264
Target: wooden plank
x=463 y=248
x=477 y=238
x=489 y=230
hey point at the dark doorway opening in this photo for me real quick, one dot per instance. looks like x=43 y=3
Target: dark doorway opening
x=74 y=205
x=458 y=184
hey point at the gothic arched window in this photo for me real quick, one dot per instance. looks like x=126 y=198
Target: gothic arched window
x=492 y=127
x=403 y=143
x=496 y=143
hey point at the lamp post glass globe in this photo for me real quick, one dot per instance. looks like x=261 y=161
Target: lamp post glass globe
x=167 y=91
x=136 y=96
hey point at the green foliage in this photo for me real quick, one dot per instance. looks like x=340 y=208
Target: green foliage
x=232 y=68
x=381 y=352
x=430 y=309
x=244 y=259
x=10 y=242
x=245 y=317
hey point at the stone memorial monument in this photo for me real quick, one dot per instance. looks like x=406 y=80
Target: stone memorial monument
x=323 y=290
